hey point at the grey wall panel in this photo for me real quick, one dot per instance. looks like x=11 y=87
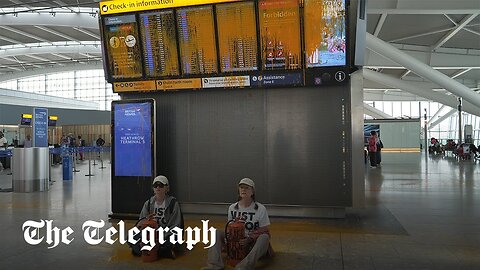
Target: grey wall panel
x=11 y=114
x=226 y=143
x=290 y=141
x=304 y=137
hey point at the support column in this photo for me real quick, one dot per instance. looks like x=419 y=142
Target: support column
x=460 y=135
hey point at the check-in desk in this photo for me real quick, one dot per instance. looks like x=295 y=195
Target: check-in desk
x=30 y=169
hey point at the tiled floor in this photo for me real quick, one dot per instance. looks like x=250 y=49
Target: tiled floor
x=422 y=213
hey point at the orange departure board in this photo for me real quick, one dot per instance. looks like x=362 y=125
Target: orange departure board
x=196 y=34
x=280 y=34
x=160 y=57
x=122 y=46
x=237 y=37
x=325 y=33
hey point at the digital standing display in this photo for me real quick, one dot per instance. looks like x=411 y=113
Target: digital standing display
x=237 y=37
x=133 y=139
x=159 y=43
x=280 y=34
x=196 y=34
x=123 y=47
x=325 y=33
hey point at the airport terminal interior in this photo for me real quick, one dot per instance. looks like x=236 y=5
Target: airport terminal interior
x=296 y=113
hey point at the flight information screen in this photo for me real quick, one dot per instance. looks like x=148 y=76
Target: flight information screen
x=280 y=34
x=237 y=37
x=159 y=43
x=196 y=34
x=122 y=46
x=133 y=139
x=325 y=33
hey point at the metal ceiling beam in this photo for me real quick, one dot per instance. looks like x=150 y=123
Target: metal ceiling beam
x=11 y=40
x=405 y=74
x=443 y=118
x=61 y=56
x=90 y=49
x=450 y=101
x=441 y=59
x=374 y=112
x=460 y=73
x=380 y=23
x=44 y=59
x=86 y=32
x=421 y=69
x=64 y=5
x=48 y=70
x=22 y=63
x=23 y=33
x=453 y=32
x=436 y=115
x=471 y=31
x=83 y=20
x=51 y=31
x=422 y=34
x=13 y=68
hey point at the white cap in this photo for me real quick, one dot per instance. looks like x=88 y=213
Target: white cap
x=161 y=179
x=247 y=181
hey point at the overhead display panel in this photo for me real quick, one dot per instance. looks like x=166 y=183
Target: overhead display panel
x=196 y=34
x=159 y=41
x=237 y=37
x=205 y=44
x=325 y=33
x=123 y=49
x=122 y=6
x=280 y=34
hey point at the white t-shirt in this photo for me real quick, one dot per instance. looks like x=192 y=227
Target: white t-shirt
x=159 y=213
x=3 y=141
x=254 y=218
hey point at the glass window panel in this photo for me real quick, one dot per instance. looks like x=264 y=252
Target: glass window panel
x=280 y=34
x=387 y=107
x=196 y=36
x=237 y=37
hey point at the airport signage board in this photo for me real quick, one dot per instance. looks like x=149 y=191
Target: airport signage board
x=40 y=127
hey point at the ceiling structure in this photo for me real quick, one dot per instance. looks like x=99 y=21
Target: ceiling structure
x=38 y=37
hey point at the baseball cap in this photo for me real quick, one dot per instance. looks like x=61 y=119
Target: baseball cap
x=160 y=179
x=247 y=181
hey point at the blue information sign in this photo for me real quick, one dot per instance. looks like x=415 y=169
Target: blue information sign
x=280 y=79
x=40 y=127
x=133 y=139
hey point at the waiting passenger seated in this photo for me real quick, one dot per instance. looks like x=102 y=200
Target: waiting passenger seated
x=435 y=148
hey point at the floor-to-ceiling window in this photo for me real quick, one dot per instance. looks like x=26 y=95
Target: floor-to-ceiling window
x=89 y=85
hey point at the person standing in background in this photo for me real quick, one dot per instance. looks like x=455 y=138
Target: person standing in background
x=372 y=149
x=3 y=144
x=28 y=142
x=378 y=157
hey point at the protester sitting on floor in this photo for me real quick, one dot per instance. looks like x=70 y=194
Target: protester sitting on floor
x=256 y=239
x=165 y=209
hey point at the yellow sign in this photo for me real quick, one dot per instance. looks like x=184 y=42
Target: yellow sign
x=122 y=6
x=166 y=85
x=53 y=117
x=134 y=86
x=26 y=115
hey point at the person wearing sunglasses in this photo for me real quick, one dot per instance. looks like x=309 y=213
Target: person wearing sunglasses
x=165 y=209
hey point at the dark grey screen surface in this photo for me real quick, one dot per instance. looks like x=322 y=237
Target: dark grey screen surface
x=292 y=142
